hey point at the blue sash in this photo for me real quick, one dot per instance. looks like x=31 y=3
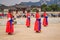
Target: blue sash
x=39 y=24
x=46 y=19
x=28 y=18
x=11 y=23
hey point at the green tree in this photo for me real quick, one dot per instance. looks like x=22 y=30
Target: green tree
x=34 y=10
x=54 y=7
x=58 y=9
x=48 y=8
x=43 y=7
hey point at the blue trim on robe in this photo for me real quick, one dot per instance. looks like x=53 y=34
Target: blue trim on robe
x=46 y=19
x=28 y=18
x=39 y=24
x=11 y=23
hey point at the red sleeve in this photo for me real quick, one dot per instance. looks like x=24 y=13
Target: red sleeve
x=27 y=14
x=44 y=14
x=37 y=15
x=9 y=15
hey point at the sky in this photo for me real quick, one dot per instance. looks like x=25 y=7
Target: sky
x=12 y=2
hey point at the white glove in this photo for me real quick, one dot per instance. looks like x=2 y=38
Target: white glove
x=9 y=19
x=28 y=16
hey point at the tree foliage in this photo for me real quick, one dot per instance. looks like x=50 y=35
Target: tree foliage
x=53 y=7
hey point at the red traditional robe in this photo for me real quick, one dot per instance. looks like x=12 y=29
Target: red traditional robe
x=45 y=21
x=37 y=26
x=9 y=27
x=28 y=20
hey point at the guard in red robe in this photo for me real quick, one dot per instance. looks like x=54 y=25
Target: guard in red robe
x=37 y=26
x=45 y=19
x=10 y=25
x=28 y=18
